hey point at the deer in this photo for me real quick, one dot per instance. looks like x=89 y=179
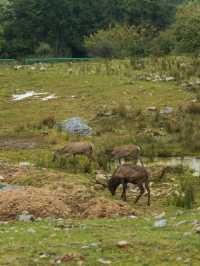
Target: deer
x=75 y=148
x=125 y=151
x=130 y=173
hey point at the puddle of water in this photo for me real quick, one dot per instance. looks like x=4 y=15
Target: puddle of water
x=192 y=162
x=4 y=186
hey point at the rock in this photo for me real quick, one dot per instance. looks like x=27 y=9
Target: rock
x=152 y=108
x=98 y=187
x=101 y=179
x=1 y=177
x=179 y=258
x=166 y=110
x=24 y=164
x=75 y=125
x=18 y=67
x=169 y=78
x=103 y=261
x=25 y=218
x=31 y=231
x=122 y=244
x=198 y=230
x=160 y=223
x=132 y=217
x=186 y=234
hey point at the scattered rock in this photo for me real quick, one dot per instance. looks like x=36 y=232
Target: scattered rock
x=160 y=223
x=198 y=230
x=24 y=164
x=166 y=110
x=31 y=231
x=122 y=244
x=25 y=217
x=18 y=67
x=1 y=178
x=186 y=234
x=70 y=258
x=152 y=109
x=75 y=125
x=101 y=179
x=104 y=261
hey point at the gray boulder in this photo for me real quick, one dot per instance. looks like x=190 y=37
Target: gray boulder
x=76 y=125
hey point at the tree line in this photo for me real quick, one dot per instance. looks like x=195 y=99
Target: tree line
x=108 y=28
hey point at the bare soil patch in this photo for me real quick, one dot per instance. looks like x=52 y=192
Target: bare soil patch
x=13 y=143
x=73 y=201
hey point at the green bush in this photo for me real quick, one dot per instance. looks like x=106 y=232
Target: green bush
x=119 y=41
x=43 y=49
x=184 y=196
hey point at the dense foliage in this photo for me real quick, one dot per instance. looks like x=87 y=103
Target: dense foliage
x=59 y=27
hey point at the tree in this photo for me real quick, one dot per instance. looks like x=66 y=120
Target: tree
x=187 y=28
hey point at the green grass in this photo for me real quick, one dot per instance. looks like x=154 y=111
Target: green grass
x=110 y=86
x=147 y=245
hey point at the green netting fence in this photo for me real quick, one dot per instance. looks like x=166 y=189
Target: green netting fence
x=29 y=61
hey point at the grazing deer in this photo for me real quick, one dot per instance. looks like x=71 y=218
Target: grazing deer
x=126 y=151
x=130 y=173
x=75 y=148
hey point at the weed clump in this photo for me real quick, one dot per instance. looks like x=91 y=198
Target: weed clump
x=184 y=196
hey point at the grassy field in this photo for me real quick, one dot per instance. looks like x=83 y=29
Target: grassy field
x=113 y=98
x=93 y=241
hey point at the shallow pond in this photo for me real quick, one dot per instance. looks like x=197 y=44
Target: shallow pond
x=192 y=162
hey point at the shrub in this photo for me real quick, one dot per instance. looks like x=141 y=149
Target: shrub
x=184 y=196
x=119 y=41
x=43 y=49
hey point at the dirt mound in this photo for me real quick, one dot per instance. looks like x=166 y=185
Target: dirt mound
x=85 y=204
x=101 y=208
x=67 y=201
x=40 y=202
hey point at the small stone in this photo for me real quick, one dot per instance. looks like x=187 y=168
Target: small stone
x=152 y=108
x=25 y=218
x=31 y=231
x=103 y=261
x=179 y=258
x=1 y=177
x=198 y=230
x=122 y=244
x=160 y=223
x=24 y=164
x=132 y=217
x=186 y=234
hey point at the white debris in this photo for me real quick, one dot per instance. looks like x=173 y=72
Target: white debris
x=160 y=216
x=18 y=67
x=103 y=261
x=19 y=97
x=50 y=97
x=28 y=94
x=160 y=223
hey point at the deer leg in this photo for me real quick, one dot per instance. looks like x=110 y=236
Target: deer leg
x=123 y=196
x=141 y=161
x=141 y=193
x=148 y=192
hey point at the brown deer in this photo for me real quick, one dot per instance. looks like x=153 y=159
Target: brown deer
x=130 y=173
x=75 y=148
x=126 y=151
